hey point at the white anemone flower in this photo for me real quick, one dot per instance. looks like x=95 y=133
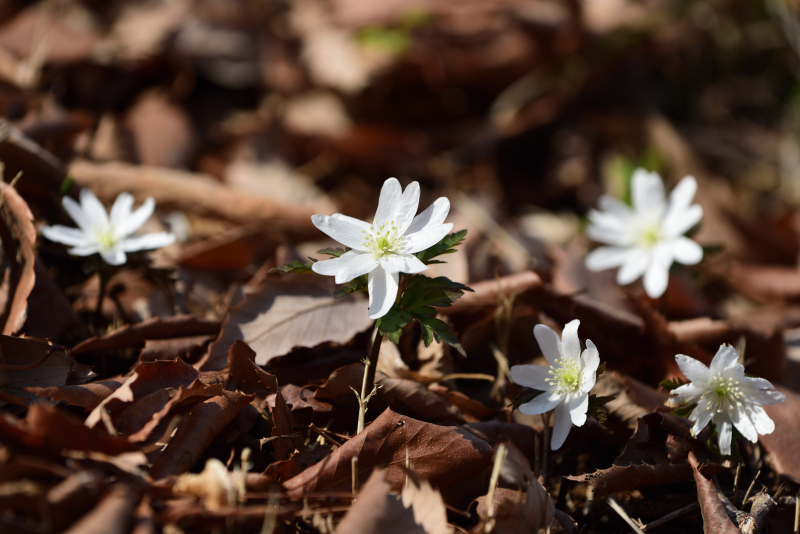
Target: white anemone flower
x=566 y=382
x=724 y=394
x=385 y=248
x=647 y=238
x=108 y=234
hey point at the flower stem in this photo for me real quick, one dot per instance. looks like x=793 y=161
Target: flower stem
x=104 y=273
x=546 y=442
x=368 y=385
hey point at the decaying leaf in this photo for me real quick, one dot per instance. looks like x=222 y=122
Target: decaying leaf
x=288 y=313
x=784 y=454
x=715 y=520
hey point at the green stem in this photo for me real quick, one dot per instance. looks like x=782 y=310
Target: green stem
x=368 y=385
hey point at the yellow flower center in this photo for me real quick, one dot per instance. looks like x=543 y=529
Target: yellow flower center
x=721 y=392
x=651 y=236
x=566 y=378
x=106 y=237
x=382 y=240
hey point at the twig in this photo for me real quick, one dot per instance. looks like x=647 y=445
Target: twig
x=749 y=489
x=324 y=434
x=499 y=458
x=761 y=511
x=369 y=379
x=736 y=482
x=797 y=513
x=354 y=475
x=545 y=442
x=670 y=516
x=624 y=515
x=271 y=515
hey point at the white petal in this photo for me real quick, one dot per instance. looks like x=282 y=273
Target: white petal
x=686 y=251
x=433 y=216
x=685 y=394
x=356 y=266
x=656 y=277
x=531 y=376
x=64 y=234
x=634 y=267
x=701 y=416
x=540 y=404
x=93 y=208
x=425 y=238
x=604 y=258
x=332 y=266
x=725 y=435
x=562 y=423
x=341 y=230
x=352 y=220
x=77 y=214
x=615 y=207
x=683 y=194
x=766 y=398
x=681 y=221
x=146 y=242
x=762 y=422
x=121 y=209
x=114 y=256
x=548 y=342
x=591 y=361
x=391 y=196
x=578 y=407
x=647 y=193
x=570 y=344
x=402 y=263
x=694 y=370
x=85 y=250
x=609 y=229
x=136 y=219
x=382 y=291
x=743 y=423
x=726 y=357
x=405 y=212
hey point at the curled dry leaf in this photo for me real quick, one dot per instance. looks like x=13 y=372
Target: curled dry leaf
x=418 y=510
x=136 y=335
x=444 y=456
x=114 y=514
x=515 y=512
x=656 y=454
x=784 y=454
x=715 y=520
x=27 y=363
x=87 y=396
x=18 y=235
x=197 y=431
x=288 y=313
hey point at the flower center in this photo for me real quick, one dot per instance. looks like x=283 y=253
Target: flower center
x=722 y=393
x=650 y=236
x=382 y=240
x=106 y=237
x=566 y=376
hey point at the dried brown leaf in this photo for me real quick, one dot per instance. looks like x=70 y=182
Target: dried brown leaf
x=18 y=236
x=784 y=454
x=715 y=520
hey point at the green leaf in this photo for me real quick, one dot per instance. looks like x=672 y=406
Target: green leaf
x=335 y=252
x=293 y=267
x=422 y=293
x=391 y=325
x=447 y=245
x=671 y=384
x=433 y=328
x=353 y=286
x=596 y=407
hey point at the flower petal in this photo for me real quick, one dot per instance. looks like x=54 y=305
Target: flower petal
x=685 y=394
x=763 y=423
x=343 y=231
x=656 y=277
x=433 y=216
x=425 y=238
x=352 y=220
x=540 y=404
x=146 y=242
x=694 y=370
x=603 y=258
x=743 y=423
x=578 y=406
x=121 y=210
x=334 y=265
x=357 y=265
x=686 y=251
x=136 y=219
x=766 y=397
x=682 y=196
x=570 y=343
x=114 y=256
x=591 y=361
x=615 y=207
x=531 y=376
x=93 y=208
x=647 y=193
x=634 y=267
x=701 y=415
x=382 y=291
x=64 y=234
x=407 y=209
x=85 y=250
x=402 y=263
x=725 y=435
x=681 y=221
x=726 y=357
x=562 y=423
x=390 y=199
x=549 y=342
x=77 y=214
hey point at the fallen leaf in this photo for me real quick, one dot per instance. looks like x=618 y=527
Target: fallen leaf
x=784 y=454
x=444 y=456
x=18 y=235
x=715 y=520
x=287 y=313
x=87 y=396
x=113 y=514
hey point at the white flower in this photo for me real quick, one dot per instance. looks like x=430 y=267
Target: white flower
x=385 y=248
x=110 y=235
x=646 y=239
x=566 y=382
x=723 y=394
